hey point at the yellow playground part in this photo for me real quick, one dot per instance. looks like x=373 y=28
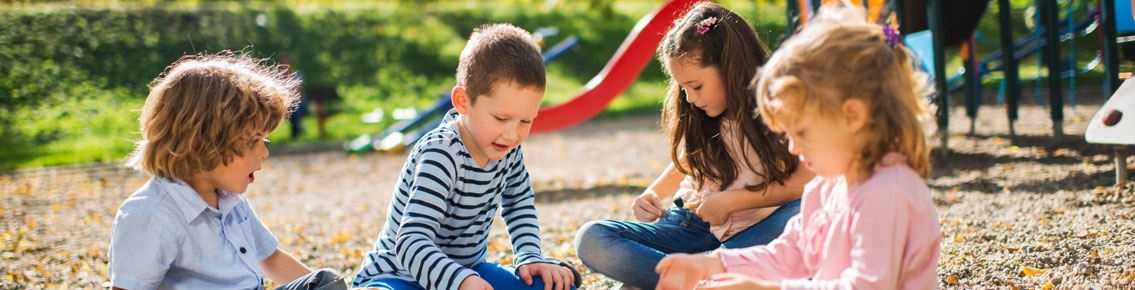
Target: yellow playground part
x=874 y=8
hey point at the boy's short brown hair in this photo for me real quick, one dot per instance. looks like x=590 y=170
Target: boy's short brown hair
x=205 y=110
x=499 y=52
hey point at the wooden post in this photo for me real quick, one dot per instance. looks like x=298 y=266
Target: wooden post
x=1120 y=165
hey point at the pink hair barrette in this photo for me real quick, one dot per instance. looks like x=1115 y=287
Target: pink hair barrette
x=706 y=25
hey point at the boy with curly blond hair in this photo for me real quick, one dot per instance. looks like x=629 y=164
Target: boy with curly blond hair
x=203 y=131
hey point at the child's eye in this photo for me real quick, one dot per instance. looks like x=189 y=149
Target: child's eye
x=698 y=88
x=526 y=121
x=499 y=118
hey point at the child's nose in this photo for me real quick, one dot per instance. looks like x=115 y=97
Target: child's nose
x=512 y=133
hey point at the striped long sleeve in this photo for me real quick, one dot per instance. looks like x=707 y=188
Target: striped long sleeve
x=519 y=212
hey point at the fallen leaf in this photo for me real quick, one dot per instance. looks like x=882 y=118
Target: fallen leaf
x=1030 y=271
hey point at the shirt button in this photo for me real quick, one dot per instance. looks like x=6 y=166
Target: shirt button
x=242 y=250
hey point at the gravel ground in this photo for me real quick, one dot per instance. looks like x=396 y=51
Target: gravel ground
x=1018 y=213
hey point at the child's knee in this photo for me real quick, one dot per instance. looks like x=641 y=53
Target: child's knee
x=590 y=238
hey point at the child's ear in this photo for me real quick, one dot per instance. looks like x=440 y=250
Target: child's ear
x=460 y=100
x=855 y=113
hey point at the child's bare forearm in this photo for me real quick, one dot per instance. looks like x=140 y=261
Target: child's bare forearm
x=774 y=194
x=667 y=183
x=282 y=268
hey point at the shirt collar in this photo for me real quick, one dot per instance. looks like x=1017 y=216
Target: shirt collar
x=191 y=204
x=450 y=119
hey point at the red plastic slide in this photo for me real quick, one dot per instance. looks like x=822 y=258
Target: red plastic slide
x=618 y=74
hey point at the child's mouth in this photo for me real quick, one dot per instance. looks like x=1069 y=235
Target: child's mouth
x=251 y=177
x=500 y=148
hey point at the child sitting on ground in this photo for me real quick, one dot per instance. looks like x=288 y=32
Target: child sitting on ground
x=848 y=95
x=190 y=226
x=735 y=183
x=461 y=172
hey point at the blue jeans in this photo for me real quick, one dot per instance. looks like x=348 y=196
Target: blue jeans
x=498 y=276
x=629 y=251
x=321 y=279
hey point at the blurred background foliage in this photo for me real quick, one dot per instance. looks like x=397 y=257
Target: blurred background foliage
x=74 y=74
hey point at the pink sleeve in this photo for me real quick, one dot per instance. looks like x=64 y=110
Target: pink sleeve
x=780 y=259
x=879 y=217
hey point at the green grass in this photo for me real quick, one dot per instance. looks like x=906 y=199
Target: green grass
x=98 y=128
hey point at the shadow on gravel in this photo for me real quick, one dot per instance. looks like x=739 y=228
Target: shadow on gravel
x=1076 y=151
x=573 y=194
x=962 y=161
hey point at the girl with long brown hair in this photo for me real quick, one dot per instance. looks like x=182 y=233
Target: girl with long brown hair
x=735 y=183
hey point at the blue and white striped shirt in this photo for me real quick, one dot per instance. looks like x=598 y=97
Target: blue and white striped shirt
x=439 y=218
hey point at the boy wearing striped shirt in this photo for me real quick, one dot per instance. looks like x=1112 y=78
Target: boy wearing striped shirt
x=462 y=172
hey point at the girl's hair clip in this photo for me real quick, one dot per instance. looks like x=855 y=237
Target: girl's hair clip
x=706 y=25
x=893 y=36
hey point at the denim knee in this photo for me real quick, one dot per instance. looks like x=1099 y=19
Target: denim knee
x=590 y=242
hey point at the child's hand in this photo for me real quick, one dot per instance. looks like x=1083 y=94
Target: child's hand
x=554 y=276
x=734 y=281
x=474 y=282
x=713 y=209
x=647 y=207
x=684 y=271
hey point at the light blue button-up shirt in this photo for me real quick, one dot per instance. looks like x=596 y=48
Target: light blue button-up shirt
x=166 y=237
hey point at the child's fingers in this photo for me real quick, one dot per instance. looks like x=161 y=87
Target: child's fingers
x=657 y=206
x=570 y=277
x=525 y=275
x=549 y=279
x=563 y=280
x=644 y=212
x=663 y=265
x=557 y=280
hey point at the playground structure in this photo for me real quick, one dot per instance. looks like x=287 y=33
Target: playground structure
x=1109 y=127
x=406 y=132
x=616 y=76
x=953 y=24
x=927 y=34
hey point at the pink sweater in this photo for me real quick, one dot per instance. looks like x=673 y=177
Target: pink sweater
x=879 y=234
